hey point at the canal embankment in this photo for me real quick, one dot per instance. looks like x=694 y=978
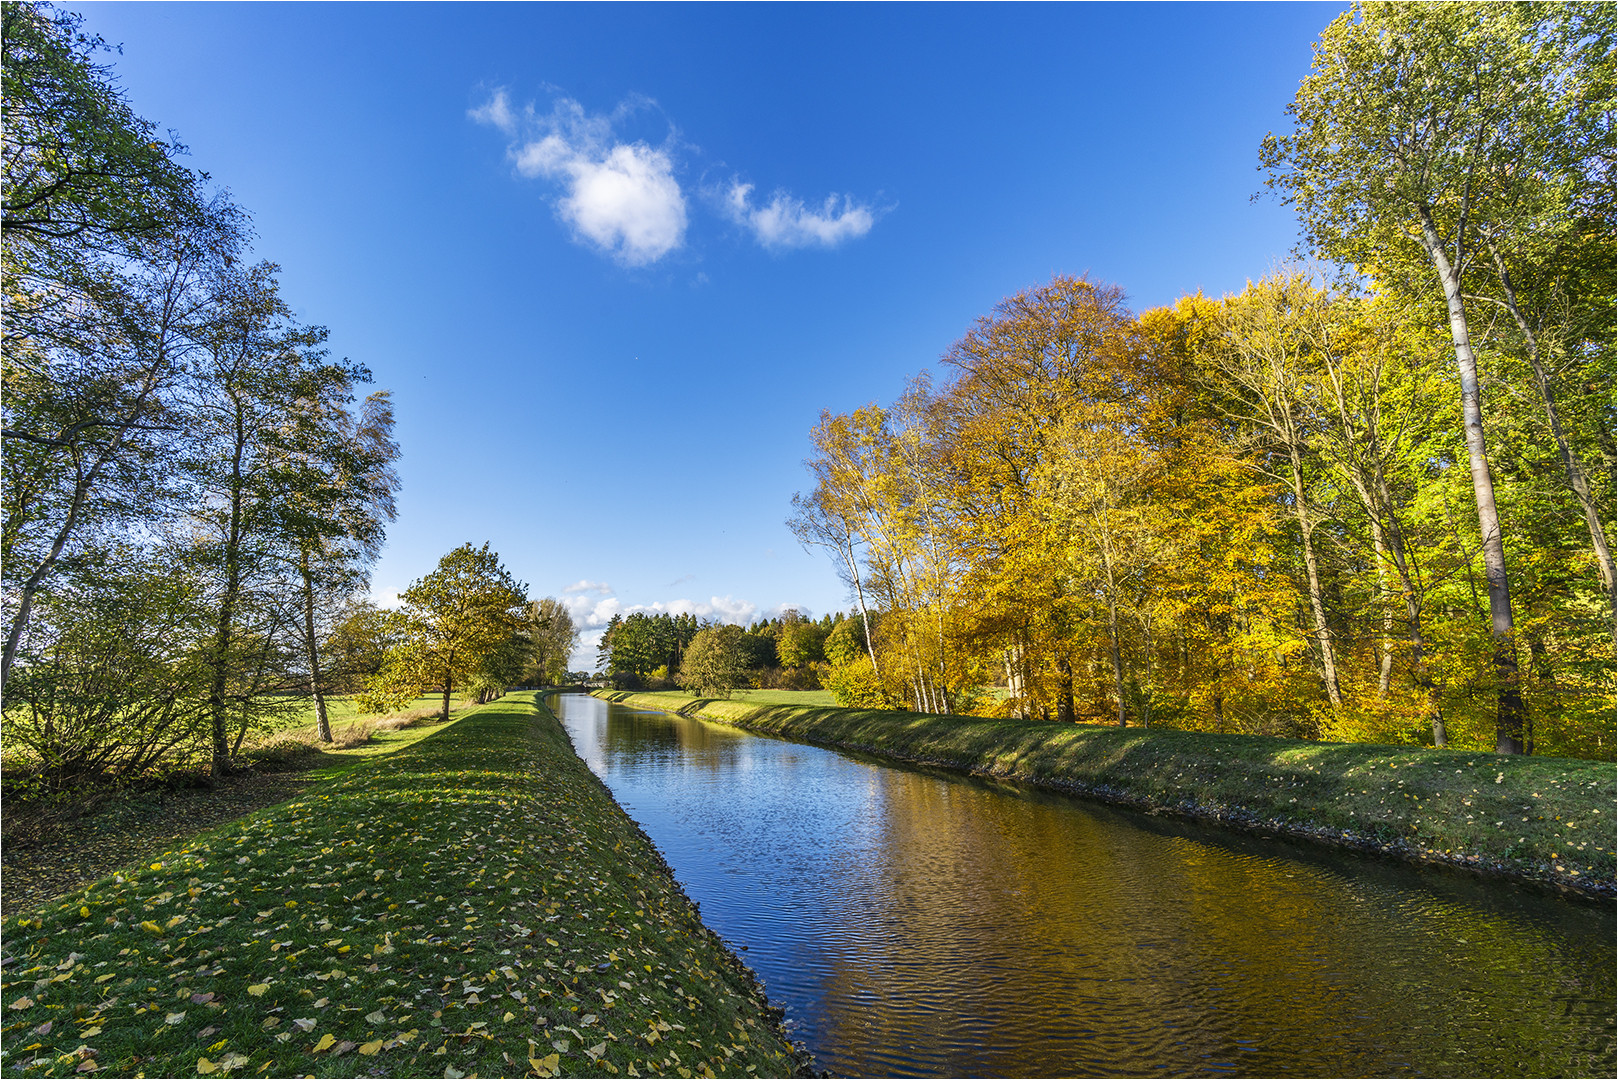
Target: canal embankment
x=1546 y=820
x=473 y=904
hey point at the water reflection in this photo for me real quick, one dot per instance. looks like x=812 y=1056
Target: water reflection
x=918 y=923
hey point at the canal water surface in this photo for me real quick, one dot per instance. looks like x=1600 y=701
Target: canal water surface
x=916 y=923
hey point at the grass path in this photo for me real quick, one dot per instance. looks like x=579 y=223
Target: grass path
x=471 y=904
x=1535 y=818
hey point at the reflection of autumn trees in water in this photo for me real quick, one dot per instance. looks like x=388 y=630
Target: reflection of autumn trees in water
x=921 y=922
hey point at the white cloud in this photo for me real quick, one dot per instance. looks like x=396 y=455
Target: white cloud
x=620 y=197
x=785 y=222
x=496 y=113
x=585 y=585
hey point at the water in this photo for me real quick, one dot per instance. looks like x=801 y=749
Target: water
x=919 y=923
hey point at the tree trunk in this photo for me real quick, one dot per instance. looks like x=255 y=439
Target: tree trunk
x=311 y=645
x=1328 y=659
x=1511 y=716
x=1570 y=464
x=1065 y=709
x=218 y=705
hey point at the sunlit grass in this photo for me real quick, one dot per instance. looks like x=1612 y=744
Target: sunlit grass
x=452 y=900
x=1548 y=818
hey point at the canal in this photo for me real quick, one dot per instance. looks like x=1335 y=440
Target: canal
x=918 y=923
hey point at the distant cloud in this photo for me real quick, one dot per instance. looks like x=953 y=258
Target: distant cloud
x=496 y=113
x=785 y=222
x=619 y=197
x=589 y=586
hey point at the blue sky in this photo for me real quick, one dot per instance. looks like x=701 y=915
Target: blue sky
x=613 y=260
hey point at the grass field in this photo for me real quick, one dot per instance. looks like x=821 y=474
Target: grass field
x=1534 y=817
x=781 y=697
x=458 y=900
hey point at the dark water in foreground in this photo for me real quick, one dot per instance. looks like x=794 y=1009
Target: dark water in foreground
x=917 y=923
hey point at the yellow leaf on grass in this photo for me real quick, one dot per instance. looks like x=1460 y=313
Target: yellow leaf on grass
x=371 y=1047
x=204 y=1066
x=257 y=989
x=90 y=1032
x=506 y=1019
x=24 y=1002
x=84 y=913
x=150 y=927
x=547 y=1065
x=104 y=978
x=326 y=1042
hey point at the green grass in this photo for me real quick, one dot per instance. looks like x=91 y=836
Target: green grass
x=1535 y=817
x=782 y=697
x=341 y=710
x=471 y=903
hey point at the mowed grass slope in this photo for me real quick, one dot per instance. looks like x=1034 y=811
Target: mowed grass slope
x=1548 y=819
x=474 y=904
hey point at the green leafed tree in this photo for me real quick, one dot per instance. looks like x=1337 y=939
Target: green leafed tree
x=1427 y=135
x=715 y=662
x=460 y=619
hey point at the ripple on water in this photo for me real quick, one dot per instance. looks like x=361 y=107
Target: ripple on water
x=917 y=923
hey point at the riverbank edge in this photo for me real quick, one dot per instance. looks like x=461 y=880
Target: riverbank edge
x=803 y=1065
x=507 y=774
x=1148 y=771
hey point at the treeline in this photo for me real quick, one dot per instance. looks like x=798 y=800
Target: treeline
x=789 y=652
x=1366 y=505
x=194 y=489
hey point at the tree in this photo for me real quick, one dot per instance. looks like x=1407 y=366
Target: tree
x=715 y=662
x=339 y=485
x=1429 y=132
x=103 y=241
x=458 y=617
x=551 y=637
x=79 y=164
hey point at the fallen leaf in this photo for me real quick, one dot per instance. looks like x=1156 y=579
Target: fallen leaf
x=596 y=1051
x=87 y=1065
x=174 y=1018
x=90 y=1032
x=45 y=1028
x=201 y=999
x=377 y=1017
x=23 y=1002
x=367 y=1049
x=304 y=1024
x=344 y=1047
x=204 y=1066
x=257 y=989
x=326 y=1042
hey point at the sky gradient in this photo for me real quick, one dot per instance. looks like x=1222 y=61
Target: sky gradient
x=614 y=260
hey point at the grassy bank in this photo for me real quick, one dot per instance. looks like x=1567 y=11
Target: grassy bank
x=1546 y=819
x=473 y=903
